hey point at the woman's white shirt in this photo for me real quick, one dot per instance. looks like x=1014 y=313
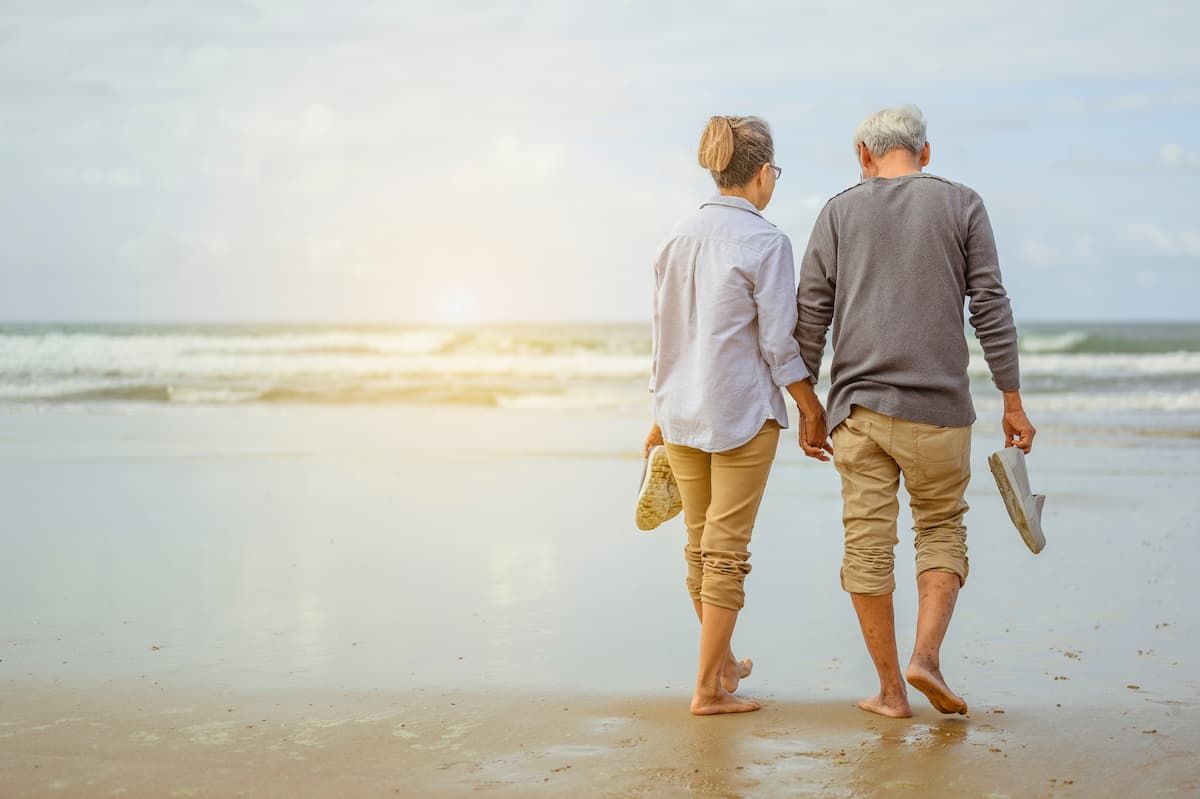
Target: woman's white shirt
x=724 y=319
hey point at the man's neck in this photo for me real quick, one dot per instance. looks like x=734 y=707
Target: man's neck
x=897 y=163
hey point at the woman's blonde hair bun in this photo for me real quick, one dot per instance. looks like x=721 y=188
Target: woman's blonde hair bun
x=733 y=149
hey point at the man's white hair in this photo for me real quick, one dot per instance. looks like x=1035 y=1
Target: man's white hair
x=901 y=126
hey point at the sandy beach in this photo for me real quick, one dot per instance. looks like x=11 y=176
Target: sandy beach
x=412 y=601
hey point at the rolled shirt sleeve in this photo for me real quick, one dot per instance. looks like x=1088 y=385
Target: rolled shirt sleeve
x=774 y=295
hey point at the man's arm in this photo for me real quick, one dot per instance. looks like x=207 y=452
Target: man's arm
x=777 y=314
x=991 y=317
x=815 y=294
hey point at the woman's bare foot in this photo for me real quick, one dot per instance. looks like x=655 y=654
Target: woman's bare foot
x=722 y=703
x=930 y=682
x=894 y=706
x=734 y=672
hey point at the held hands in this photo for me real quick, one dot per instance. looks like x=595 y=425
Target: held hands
x=814 y=438
x=653 y=439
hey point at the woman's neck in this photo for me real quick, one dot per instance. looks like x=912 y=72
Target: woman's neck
x=743 y=193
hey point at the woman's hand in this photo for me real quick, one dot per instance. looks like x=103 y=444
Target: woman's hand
x=653 y=439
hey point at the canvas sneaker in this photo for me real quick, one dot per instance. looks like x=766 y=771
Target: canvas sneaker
x=658 y=498
x=1024 y=506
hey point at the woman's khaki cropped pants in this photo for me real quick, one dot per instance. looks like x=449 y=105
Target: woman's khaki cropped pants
x=721 y=492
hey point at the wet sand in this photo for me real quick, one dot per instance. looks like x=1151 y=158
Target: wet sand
x=438 y=602
x=116 y=740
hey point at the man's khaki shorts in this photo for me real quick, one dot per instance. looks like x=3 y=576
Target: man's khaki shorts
x=872 y=451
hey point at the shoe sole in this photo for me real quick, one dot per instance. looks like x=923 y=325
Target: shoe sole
x=1006 y=481
x=654 y=501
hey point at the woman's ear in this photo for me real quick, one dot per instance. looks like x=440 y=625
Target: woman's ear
x=925 y=155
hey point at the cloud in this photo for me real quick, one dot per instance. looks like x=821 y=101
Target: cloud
x=1077 y=250
x=510 y=160
x=1170 y=158
x=1168 y=99
x=116 y=177
x=1173 y=158
x=1181 y=243
x=172 y=251
x=303 y=128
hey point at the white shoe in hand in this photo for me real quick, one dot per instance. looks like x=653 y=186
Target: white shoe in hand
x=1024 y=507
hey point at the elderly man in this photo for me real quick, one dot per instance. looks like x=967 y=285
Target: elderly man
x=889 y=265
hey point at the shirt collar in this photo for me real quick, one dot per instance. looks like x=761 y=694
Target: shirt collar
x=731 y=202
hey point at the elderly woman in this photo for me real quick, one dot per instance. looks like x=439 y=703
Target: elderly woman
x=724 y=315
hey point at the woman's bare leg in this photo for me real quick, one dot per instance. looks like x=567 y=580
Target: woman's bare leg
x=711 y=697
x=735 y=670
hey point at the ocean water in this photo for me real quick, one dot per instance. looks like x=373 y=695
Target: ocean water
x=1094 y=375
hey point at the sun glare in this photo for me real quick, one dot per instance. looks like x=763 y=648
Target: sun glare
x=458 y=309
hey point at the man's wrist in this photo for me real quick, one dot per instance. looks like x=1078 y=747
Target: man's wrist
x=1012 y=402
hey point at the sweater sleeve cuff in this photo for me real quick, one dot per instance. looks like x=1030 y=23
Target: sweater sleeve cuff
x=790 y=371
x=1008 y=380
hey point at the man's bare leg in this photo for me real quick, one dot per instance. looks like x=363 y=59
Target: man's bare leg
x=735 y=670
x=878 y=624
x=716 y=630
x=938 y=591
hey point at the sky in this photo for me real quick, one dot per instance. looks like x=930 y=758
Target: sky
x=521 y=161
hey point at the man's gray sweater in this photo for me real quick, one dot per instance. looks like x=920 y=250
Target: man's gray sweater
x=889 y=264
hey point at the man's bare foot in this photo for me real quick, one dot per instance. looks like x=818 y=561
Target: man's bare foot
x=734 y=672
x=894 y=707
x=723 y=703
x=931 y=683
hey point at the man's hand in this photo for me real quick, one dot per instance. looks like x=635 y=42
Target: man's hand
x=1018 y=430
x=653 y=439
x=814 y=438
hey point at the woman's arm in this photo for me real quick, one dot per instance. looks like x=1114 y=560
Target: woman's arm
x=654 y=437
x=775 y=301
x=814 y=438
